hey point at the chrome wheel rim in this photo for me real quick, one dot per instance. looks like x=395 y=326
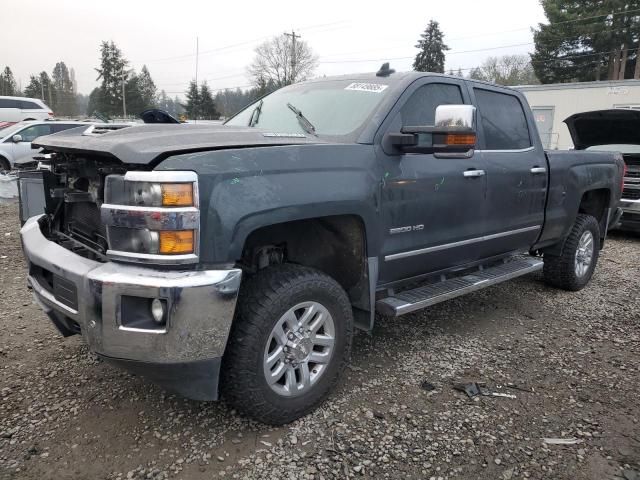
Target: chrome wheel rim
x=299 y=349
x=584 y=253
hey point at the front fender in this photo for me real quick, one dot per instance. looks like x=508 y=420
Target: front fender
x=242 y=190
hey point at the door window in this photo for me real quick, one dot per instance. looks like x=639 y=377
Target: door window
x=503 y=120
x=24 y=105
x=8 y=103
x=60 y=127
x=29 y=134
x=420 y=109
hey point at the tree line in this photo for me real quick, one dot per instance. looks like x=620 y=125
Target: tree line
x=582 y=41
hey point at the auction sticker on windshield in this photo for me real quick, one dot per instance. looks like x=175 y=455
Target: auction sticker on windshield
x=366 y=87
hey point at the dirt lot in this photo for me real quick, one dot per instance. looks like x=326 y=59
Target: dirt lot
x=573 y=358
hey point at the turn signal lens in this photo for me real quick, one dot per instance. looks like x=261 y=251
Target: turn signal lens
x=460 y=139
x=175 y=242
x=177 y=194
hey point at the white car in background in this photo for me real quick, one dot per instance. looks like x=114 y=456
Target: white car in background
x=17 y=109
x=15 y=139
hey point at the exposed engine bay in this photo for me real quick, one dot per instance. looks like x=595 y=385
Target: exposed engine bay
x=73 y=193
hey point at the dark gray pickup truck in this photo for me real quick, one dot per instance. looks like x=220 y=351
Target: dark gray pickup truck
x=240 y=257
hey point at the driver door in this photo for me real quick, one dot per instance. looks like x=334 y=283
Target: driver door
x=432 y=208
x=28 y=134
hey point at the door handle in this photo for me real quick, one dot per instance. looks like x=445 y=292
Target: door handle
x=473 y=173
x=536 y=170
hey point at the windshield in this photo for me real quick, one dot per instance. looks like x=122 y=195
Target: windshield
x=332 y=108
x=622 y=148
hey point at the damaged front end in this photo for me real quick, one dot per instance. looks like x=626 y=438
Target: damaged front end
x=113 y=255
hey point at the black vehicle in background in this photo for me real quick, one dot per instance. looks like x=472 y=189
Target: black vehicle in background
x=615 y=130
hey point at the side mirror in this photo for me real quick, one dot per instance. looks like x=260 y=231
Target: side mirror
x=453 y=136
x=16 y=138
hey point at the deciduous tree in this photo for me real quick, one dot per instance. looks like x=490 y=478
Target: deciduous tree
x=506 y=70
x=280 y=62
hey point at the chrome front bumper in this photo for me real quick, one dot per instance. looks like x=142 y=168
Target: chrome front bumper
x=201 y=304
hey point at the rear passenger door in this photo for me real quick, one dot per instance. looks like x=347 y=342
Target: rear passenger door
x=516 y=169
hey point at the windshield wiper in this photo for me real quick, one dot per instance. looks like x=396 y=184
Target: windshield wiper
x=302 y=120
x=255 y=115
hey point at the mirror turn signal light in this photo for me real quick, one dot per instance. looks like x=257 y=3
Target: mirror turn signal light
x=176 y=242
x=177 y=194
x=460 y=139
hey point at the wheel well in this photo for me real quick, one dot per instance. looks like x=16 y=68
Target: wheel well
x=595 y=203
x=4 y=163
x=336 y=245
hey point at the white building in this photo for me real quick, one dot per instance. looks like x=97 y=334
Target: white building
x=552 y=103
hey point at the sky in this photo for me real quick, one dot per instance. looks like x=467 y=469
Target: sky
x=347 y=36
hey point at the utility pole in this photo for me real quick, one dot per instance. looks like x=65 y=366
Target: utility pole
x=293 y=36
x=42 y=89
x=195 y=107
x=124 y=101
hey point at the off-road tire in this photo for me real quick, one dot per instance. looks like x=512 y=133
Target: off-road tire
x=263 y=299
x=559 y=271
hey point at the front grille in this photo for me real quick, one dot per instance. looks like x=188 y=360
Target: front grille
x=633 y=174
x=631 y=194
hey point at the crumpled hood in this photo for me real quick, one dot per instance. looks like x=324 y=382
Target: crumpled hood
x=604 y=127
x=142 y=144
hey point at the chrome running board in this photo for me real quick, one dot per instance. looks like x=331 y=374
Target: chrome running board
x=411 y=300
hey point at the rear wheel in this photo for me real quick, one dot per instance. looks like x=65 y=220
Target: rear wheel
x=289 y=343
x=574 y=268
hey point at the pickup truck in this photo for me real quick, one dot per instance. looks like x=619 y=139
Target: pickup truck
x=239 y=258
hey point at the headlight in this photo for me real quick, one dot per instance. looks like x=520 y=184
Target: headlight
x=152 y=217
x=147 y=194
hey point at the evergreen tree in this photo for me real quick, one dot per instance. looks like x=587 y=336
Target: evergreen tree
x=133 y=94
x=431 y=56
x=586 y=41
x=147 y=88
x=191 y=106
x=34 y=88
x=64 y=104
x=8 y=84
x=48 y=92
x=95 y=102
x=207 y=108
x=111 y=73
x=177 y=105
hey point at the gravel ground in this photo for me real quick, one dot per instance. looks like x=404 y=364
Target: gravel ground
x=570 y=359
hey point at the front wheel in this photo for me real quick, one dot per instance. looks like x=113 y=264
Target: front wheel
x=289 y=343
x=573 y=269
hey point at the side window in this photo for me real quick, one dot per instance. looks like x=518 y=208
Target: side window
x=503 y=120
x=29 y=105
x=60 y=127
x=420 y=109
x=29 y=134
x=8 y=103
